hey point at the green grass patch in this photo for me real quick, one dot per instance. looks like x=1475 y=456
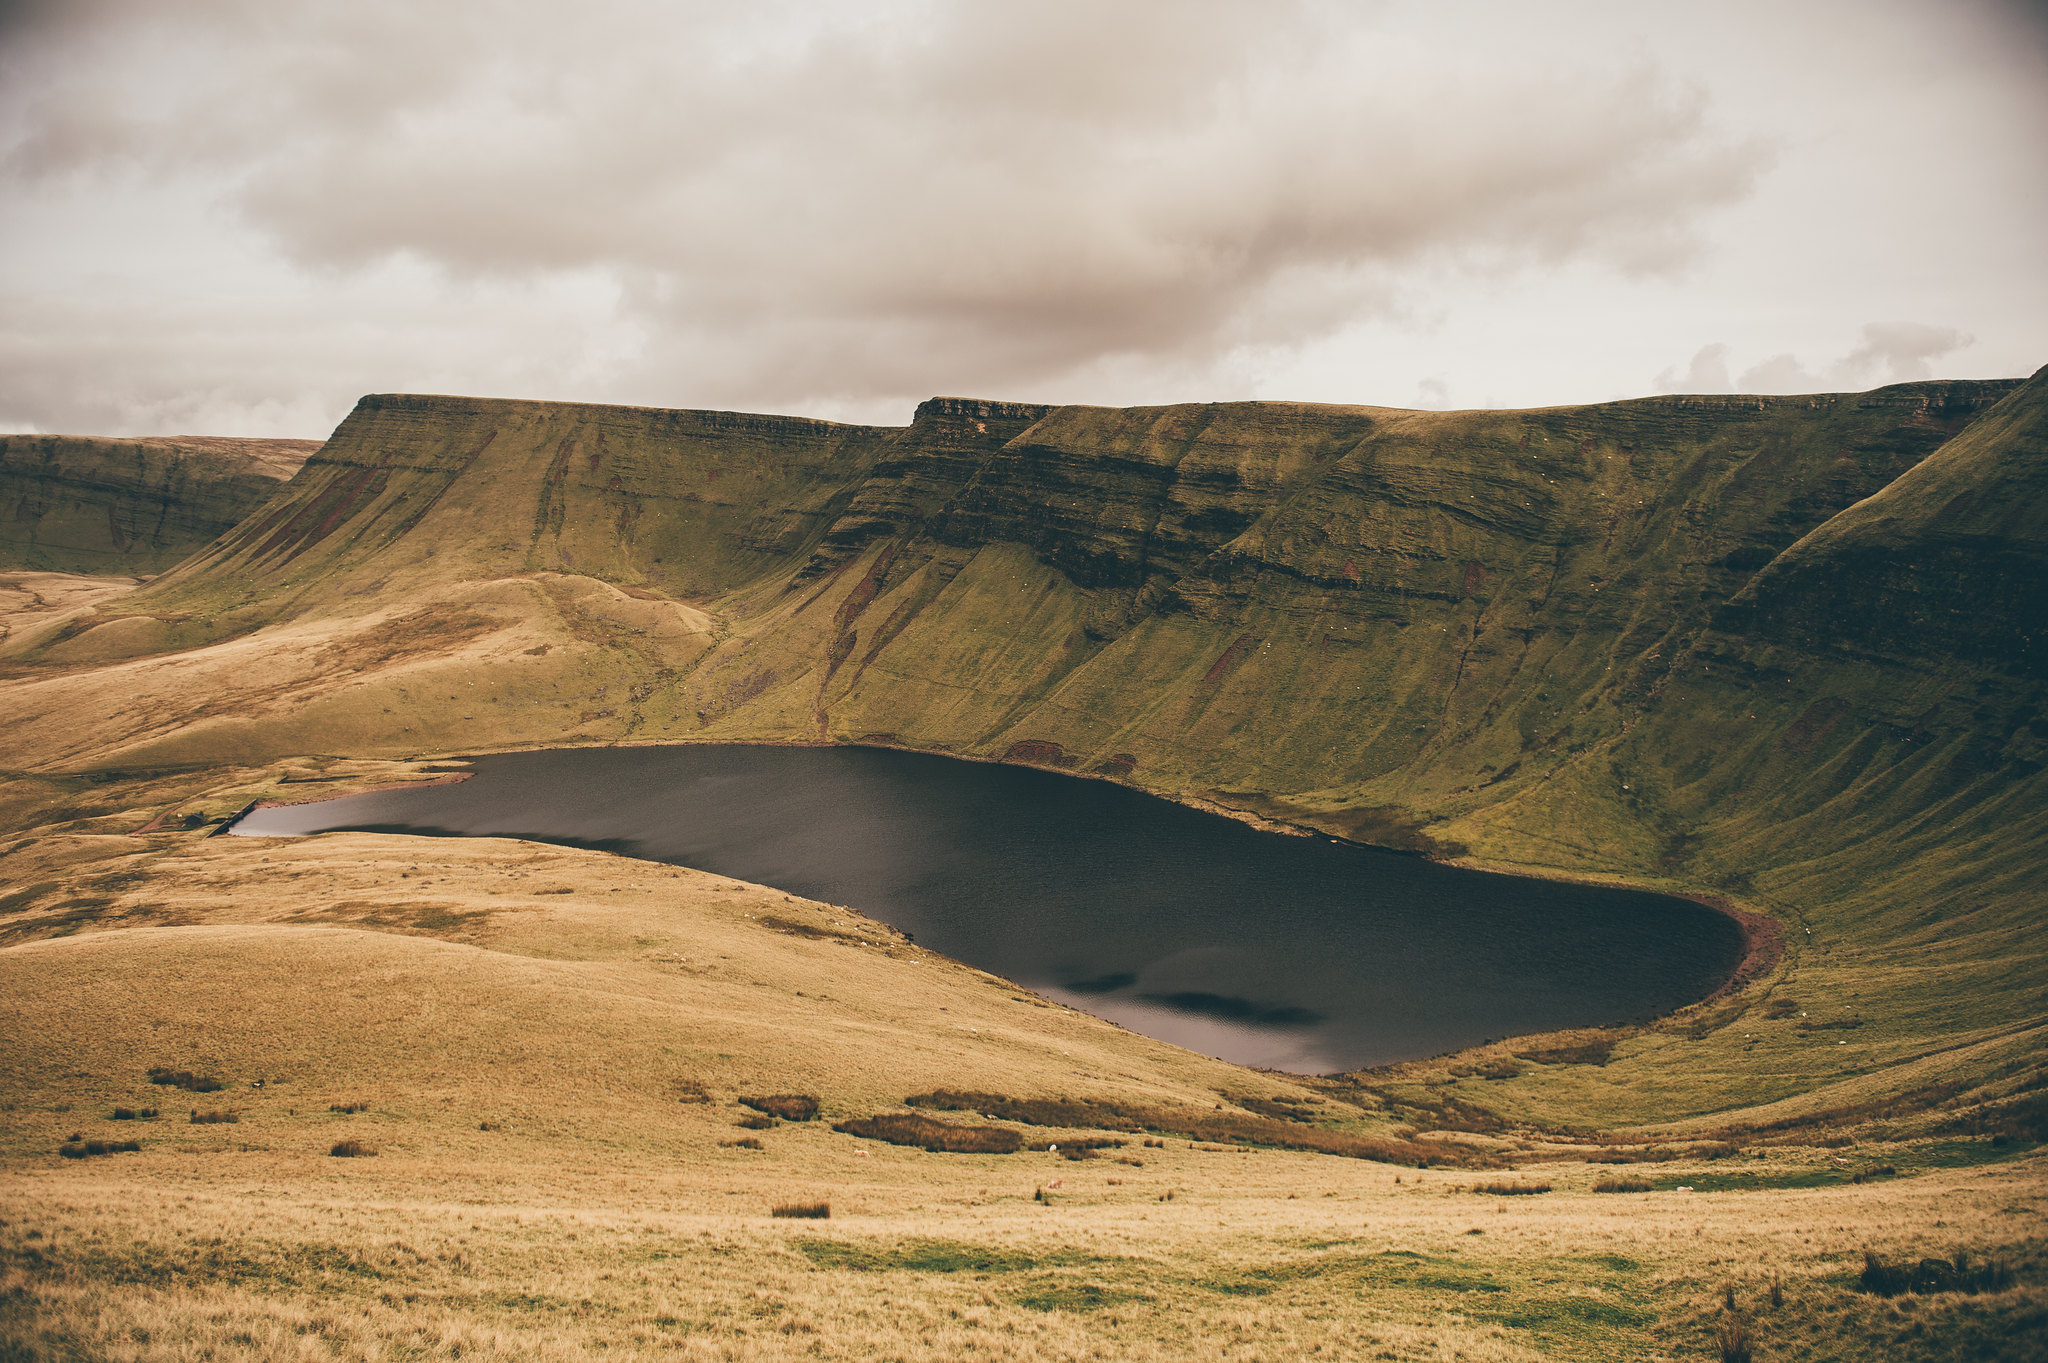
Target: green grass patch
x=1064 y=1294
x=932 y=1256
x=1568 y=1316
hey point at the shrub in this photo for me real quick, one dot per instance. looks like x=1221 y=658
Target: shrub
x=186 y=1080
x=1930 y=1276
x=1511 y=1189
x=1732 y=1336
x=213 y=1118
x=791 y=1107
x=756 y=1123
x=1621 y=1185
x=354 y=1105
x=352 y=1149
x=804 y=1211
x=910 y=1128
x=133 y=1114
x=1881 y=1279
x=78 y=1149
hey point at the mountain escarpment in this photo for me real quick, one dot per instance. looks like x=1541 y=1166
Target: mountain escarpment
x=82 y=504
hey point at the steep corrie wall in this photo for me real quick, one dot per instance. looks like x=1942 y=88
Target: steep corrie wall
x=81 y=504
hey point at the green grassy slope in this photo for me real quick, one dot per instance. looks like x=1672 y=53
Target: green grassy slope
x=81 y=504
x=1753 y=647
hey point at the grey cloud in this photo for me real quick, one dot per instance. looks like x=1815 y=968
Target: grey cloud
x=797 y=202
x=1902 y=351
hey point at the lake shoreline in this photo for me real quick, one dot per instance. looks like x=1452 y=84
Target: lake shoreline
x=1690 y=966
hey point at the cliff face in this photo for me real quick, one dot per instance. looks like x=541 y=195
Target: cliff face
x=80 y=504
x=685 y=502
x=1390 y=607
x=1350 y=608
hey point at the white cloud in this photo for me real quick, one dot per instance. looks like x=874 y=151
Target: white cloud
x=1708 y=373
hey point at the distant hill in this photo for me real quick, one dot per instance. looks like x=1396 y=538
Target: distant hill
x=85 y=504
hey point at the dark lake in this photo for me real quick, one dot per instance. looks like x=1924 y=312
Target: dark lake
x=1288 y=952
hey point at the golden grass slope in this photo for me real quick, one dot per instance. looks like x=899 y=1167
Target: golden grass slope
x=545 y=1047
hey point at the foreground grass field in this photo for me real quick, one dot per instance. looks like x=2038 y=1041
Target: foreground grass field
x=547 y=1050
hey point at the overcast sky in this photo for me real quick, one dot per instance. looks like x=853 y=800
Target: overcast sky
x=234 y=217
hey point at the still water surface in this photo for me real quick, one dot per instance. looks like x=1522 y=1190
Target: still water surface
x=1288 y=952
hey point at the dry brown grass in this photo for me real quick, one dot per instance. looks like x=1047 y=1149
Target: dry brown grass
x=572 y=1023
x=910 y=1128
x=76 y=1148
x=185 y=1079
x=1201 y=1124
x=790 y=1107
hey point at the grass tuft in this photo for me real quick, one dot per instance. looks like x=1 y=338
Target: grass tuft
x=352 y=1149
x=1621 y=1185
x=214 y=1118
x=78 y=1149
x=133 y=1114
x=1511 y=1189
x=1732 y=1337
x=791 y=1107
x=354 y=1105
x=803 y=1211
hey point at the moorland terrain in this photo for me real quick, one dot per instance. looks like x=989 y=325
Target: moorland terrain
x=1781 y=654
